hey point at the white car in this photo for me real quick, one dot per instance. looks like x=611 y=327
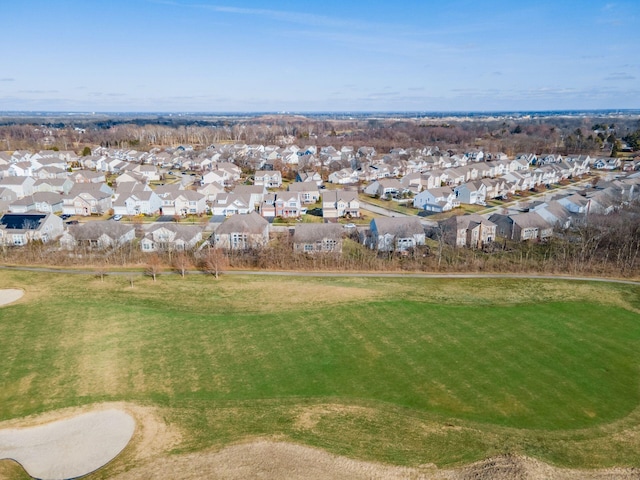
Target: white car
x=117 y=218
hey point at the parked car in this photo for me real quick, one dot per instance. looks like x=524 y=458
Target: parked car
x=117 y=218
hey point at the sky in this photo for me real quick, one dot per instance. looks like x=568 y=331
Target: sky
x=312 y=56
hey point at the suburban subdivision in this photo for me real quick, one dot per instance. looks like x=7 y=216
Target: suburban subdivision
x=318 y=309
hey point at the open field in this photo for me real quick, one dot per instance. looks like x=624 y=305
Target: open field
x=405 y=372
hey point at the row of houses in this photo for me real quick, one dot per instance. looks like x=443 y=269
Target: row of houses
x=396 y=234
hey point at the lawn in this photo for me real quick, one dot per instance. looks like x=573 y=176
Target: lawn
x=404 y=371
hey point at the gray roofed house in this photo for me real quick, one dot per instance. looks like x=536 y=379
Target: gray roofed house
x=171 y=237
x=44 y=202
x=318 y=238
x=522 y=226
x=58 y=185
x=395 y=234
x=309 y=191
x=340 y=203
x=98 y=235
x=242 y=232
x=470 y=230
x=87 y=199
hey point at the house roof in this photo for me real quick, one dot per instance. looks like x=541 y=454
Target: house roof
x=530 y=220
x=182 y=232
x=303 y=187
x=335 y=196
x=398 y=226
x=312 y=232
x=469 y=221
x=249 y=223
x=94 y=230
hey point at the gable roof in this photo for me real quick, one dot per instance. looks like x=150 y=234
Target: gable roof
x=249 y=223
x=398 y=226
x=312 y=232
x=98 y=228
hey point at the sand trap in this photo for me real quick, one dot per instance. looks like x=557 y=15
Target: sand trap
x=68 y=448
x=10 y=295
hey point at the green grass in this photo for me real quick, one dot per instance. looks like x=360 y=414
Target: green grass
x=406 y=371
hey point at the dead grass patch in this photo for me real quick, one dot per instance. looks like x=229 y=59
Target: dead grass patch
x=310 y=416
x=274 y=460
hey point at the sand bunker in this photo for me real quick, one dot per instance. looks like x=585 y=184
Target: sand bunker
x=11 y=295
x=68 y=448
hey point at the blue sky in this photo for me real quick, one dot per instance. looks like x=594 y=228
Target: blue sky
x=221 y=56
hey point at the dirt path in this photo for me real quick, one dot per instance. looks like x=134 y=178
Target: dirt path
x=277 y=460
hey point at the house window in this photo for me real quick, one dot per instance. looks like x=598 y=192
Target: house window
x=330 y=245
x=308 y=247
x=238 y=240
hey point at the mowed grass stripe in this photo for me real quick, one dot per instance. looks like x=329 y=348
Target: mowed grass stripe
x=549 y=365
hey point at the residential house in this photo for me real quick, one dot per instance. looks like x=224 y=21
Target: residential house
x=171 y=237
x=440 y=199
x=228 y=204
x=43 y=202
x=395 y=234
x=210 y=190
x=575 y=203
x=88 y=199
x=7 y=196
x=56 y=185
x=270 y=179
x=472 y=193
x=555 y=214
x=100 y=234
x=522 y=226
x=308 y=191
x=313 y=238
x=384 y=188
x=88 y=176
x=184 y=202
x=140 y=201
x=345 y=176
x=22 y=186
x=242 y=232
x=471 y=230
x=149 y=172
x=22 y=228
x=340 y=203
x=314 y=177
x=255 y=193
x=288 y=205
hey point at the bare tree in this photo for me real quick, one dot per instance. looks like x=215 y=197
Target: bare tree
x=154 y=266
x=101 y=270
x=214 y=261
x=181 y=263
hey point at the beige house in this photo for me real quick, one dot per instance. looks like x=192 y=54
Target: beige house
x=340 y=203
x=313 y=238
x=22 y=228
x=468 y=231
x=242 y=232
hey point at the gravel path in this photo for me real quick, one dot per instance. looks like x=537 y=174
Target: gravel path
x=68 y=448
